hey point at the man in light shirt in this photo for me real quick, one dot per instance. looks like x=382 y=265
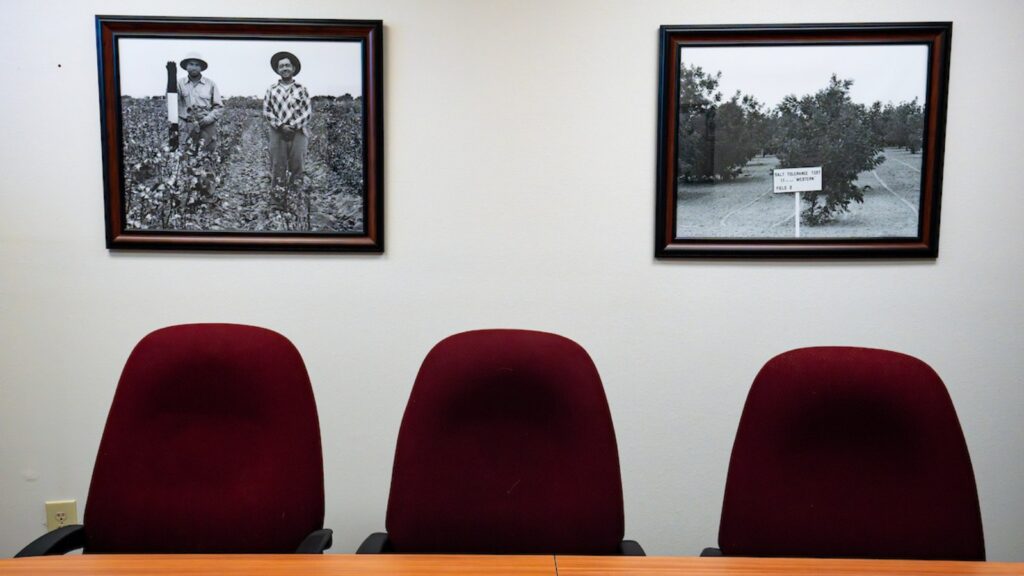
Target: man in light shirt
x=287 y=109
x=199 y=105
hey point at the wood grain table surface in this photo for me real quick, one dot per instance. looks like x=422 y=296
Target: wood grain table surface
x=663 y=565
x=277 y=565
x=435 y=565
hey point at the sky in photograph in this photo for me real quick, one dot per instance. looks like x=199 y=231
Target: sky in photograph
x=241 y=67
x=770 y=73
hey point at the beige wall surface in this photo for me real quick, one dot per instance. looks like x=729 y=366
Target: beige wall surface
x=520 y=169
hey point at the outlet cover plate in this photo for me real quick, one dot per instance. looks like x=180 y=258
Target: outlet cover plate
x=61 y=513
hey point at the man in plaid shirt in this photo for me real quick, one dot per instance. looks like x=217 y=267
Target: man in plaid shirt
x=287 y=108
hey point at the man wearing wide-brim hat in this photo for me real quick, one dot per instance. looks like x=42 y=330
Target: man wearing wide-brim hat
x=199 y=104
x=287 y=109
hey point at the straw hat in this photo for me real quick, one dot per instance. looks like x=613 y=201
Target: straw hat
x=291 y=57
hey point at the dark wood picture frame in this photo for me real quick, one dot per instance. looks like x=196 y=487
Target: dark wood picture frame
x=367 y=215
x=676 y=170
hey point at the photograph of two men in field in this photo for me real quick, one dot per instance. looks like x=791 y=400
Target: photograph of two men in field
x=855 y=111
x=242 y=136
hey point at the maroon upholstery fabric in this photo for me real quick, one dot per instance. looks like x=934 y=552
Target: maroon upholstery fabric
x=850 y=452
x=212 y=444
x=506 y=447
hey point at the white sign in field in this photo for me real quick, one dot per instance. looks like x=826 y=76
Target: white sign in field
x=797 y=179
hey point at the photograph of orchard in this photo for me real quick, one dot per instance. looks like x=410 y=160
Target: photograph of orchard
x=856 y=111
x=197 y=143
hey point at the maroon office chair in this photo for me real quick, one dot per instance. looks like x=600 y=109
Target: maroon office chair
x=852 y=453
x=506 y=447
x=212 y=445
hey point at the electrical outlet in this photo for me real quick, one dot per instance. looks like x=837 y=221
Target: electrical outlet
x=61 y=513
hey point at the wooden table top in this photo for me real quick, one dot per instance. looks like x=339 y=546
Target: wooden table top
x=436 y=565
x=654 y=565
x=277 y=565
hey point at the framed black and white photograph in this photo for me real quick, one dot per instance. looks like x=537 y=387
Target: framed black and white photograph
x=242 y=134
x=801 y=140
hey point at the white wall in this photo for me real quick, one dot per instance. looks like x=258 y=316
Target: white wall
x=520 y=154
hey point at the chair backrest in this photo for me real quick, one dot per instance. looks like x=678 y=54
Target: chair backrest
x=850 y=452
x=212 y=444
x=506 y=447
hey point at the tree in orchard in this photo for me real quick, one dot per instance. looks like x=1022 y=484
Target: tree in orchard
x=828 y=129
x=716 y=138
x=698 y=107
x=905 y=125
